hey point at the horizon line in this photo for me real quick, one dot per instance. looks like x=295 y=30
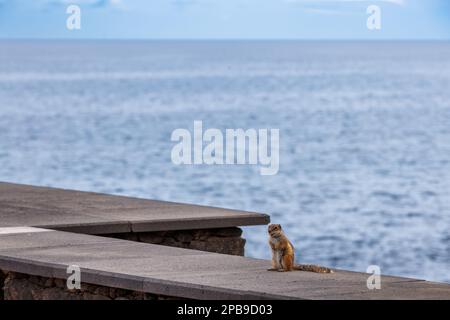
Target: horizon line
x=234 y=39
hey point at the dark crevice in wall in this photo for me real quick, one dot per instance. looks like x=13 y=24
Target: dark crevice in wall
x=220 y=240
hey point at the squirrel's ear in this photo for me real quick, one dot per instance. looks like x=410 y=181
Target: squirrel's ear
x=279 y=226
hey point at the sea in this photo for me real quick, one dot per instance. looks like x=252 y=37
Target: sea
x=364 y=173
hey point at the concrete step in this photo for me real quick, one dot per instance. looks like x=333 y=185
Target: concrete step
x=94 y=213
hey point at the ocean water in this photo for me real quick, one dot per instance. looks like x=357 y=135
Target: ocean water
x=364 y=136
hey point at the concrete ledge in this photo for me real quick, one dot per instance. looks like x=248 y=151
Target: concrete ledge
x=94 y=213
x=185 y=273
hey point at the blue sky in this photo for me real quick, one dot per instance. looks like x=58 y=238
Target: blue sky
x=226 y=19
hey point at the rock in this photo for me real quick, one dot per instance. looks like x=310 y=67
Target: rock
x=2 y=281
x=198 y=245
x=55 y=293
x=26 y=287
x=92 y=296
x=183 y=236
x=60 y=283
x=171 y=242
x=149 y=296
x=36 y=280
x=122 y=292
x=201 y=234
x=227 y=232
x=49 y=282
x=112 y=293
x=150 y=238
x=234 y=246
x=88 y=287
x=137 y=295
x=103 y=291
x=18 y=289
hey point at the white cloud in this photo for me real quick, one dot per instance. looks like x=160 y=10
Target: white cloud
x=337 y=7
x=90 y=3
x=398 y=2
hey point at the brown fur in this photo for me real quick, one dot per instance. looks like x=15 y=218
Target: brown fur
x=283 y=255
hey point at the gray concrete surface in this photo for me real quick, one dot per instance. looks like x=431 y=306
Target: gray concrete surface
x=189 y=273
x=93 y=213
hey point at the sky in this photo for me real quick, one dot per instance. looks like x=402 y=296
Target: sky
x=226 y=19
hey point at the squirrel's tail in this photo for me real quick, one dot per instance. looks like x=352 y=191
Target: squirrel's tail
x=312 y=268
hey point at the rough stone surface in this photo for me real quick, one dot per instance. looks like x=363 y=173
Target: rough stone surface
x=18 y=286
x=2 y=280
x=221 y=240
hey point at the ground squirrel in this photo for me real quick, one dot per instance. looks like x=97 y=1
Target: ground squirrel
x=283 y=253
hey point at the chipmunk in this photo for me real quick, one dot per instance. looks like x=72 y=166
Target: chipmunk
x=283 y=253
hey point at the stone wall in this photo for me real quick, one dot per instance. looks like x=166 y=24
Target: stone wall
x=18 y=286
x=221 y=240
